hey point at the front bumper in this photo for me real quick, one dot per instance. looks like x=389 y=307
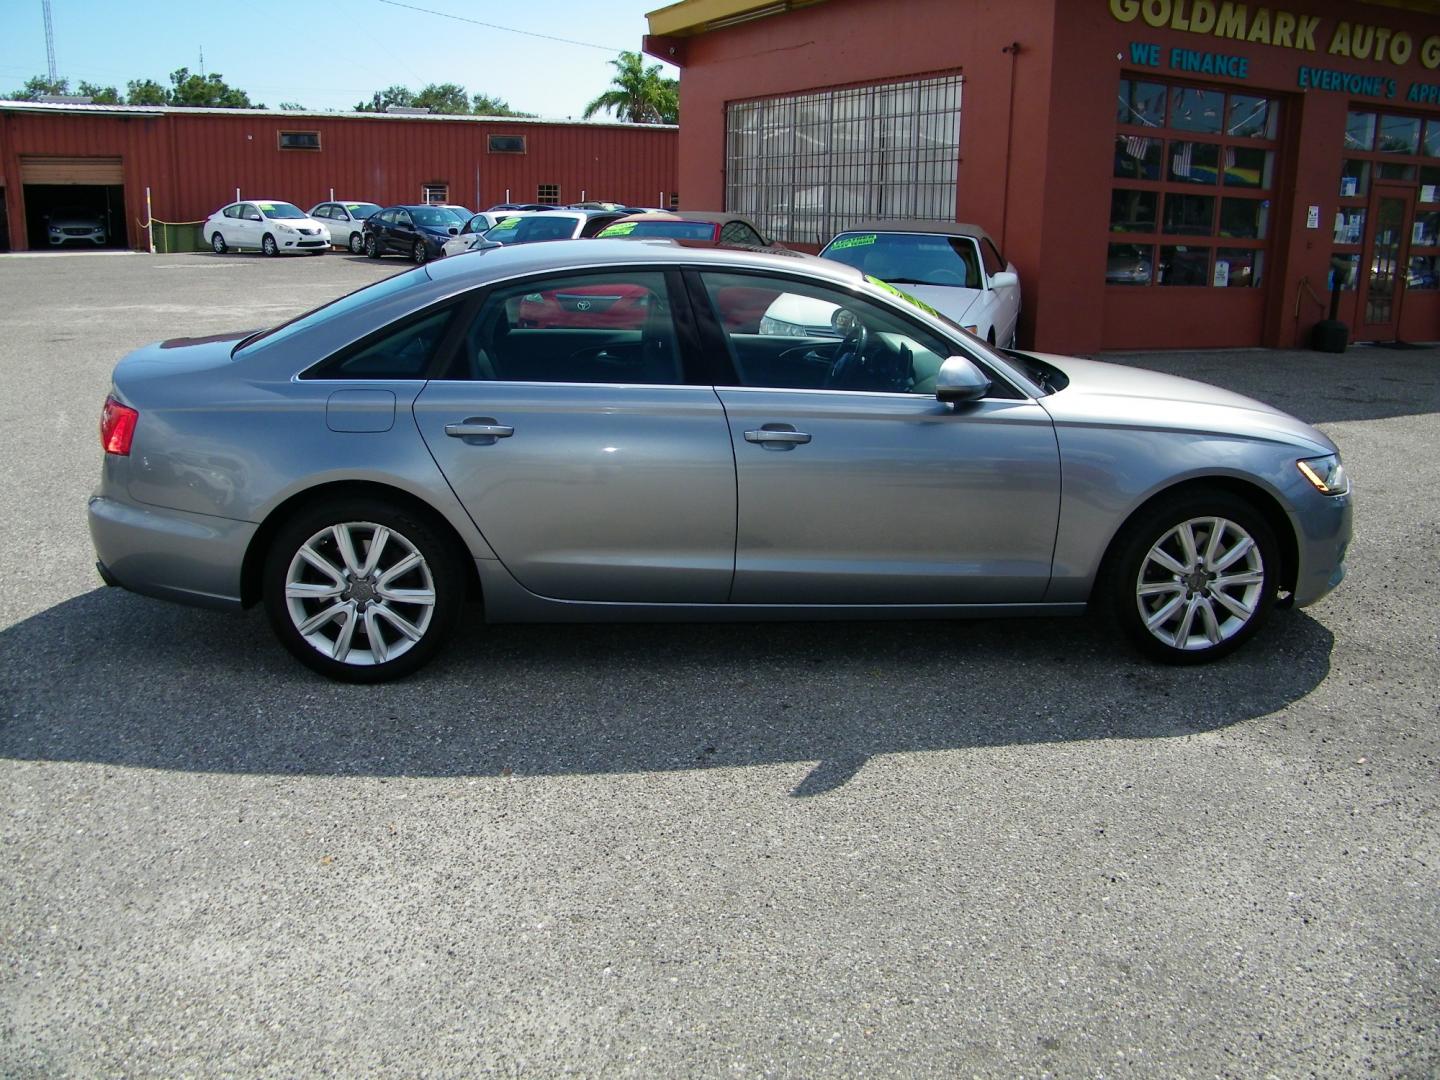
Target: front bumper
x=86 y=236
x=303 y=242
x=1323 y=530
x=189 y=558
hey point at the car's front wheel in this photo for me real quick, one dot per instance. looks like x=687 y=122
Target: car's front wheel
x=218 y=245
x=357 y=243
x=268 y=245
x=1194 y=577
x=372 y=247
x=419 y=252
x=362 y=591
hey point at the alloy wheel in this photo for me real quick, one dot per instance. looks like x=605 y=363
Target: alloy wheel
x=1200 y=584
x=360 y=593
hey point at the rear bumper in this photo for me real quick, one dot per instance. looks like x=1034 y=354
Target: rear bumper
x=189 y=558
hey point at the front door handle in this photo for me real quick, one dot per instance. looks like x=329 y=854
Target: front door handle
x=479 y=430
x=777 y=437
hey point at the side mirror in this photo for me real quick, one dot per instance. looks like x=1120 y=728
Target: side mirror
x=960 y=380
x=1004 y=279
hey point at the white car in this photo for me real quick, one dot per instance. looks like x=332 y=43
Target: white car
x=956 y=269
x=267 y=225
x=470 y=235
x=346 y=222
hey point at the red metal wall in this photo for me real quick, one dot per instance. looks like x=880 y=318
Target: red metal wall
x=1037 y=151
x=193 y=162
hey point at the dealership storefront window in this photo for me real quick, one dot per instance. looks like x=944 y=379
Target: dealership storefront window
x=805 y=166
x=1193 y=179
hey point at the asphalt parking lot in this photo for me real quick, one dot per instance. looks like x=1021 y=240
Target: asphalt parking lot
x=990 y=849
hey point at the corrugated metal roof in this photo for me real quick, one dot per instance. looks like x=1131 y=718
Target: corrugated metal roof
x=164 y=110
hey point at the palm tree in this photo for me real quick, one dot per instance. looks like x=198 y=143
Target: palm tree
x=639 y=94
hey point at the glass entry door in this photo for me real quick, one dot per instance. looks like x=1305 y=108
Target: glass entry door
x=1383 y=263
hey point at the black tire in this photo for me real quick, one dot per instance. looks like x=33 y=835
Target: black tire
x=218 y=245
x=439 y=571
x=268 y=245
x=1223 y=593
x=357 y=243
x=372 y=248
x=420 y=253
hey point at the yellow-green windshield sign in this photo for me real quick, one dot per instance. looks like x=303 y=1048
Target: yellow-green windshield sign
x=620 y=228
x=903 y=295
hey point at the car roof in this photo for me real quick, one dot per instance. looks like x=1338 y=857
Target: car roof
x=515 y=260
x=933 y=227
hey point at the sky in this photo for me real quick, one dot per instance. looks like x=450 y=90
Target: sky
x=329 y=55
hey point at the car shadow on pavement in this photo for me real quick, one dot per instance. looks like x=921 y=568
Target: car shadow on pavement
x=112 y=678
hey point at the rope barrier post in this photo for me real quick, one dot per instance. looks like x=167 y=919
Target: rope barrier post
x=150 y=221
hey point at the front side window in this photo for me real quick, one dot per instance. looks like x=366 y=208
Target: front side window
x=249 y=213
x=785 y=334
x=580 y=328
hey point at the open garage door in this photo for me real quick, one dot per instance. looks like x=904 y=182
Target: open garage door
x=87 y=171
x=74 y=202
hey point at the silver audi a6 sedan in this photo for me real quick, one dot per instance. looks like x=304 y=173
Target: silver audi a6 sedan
x=601 y=430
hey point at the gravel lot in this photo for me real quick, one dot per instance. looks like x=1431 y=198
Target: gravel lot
x=994 y=849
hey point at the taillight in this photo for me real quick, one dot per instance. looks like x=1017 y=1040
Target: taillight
x=117 y=427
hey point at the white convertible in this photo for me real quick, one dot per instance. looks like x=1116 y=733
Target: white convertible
x=956 y=269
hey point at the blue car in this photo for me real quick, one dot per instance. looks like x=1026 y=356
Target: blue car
x=418 y=231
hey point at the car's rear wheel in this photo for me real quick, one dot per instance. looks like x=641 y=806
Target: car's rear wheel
x=218 y=245
x=372 y=247
x=1193 y=577
x=357 y=243
x=268 y=245
x=419 y=252
x=362 y=591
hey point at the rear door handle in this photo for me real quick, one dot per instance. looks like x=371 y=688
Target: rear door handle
x=479 y=430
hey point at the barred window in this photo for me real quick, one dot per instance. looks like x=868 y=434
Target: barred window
x=507 y=144
x=435 y=194
x=548 y=194
x=806 y=166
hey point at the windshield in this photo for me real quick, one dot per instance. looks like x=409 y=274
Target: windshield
x=280 y=210
x=361 y=210
x=683 y=230
x=527 y=230
x=334 y=309
x=436 y=217
x=910 y=258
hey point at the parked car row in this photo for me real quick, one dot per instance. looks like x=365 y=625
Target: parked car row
x=956 y=269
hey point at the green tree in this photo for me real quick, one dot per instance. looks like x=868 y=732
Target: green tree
x=485 y=105
x=145 y=92
x=291 y=106
x=638 y=93
x=383 y=99
x=206 y=92
x=446 y=98
x=38 y=87
x=100 y=95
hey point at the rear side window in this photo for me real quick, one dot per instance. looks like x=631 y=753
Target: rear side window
x=400 y=354
x=580 y=328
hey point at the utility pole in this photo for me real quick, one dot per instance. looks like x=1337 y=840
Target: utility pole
x=49 y=39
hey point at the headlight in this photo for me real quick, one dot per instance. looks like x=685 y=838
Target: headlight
x=780 y=328
x=54 y=228
x=285 y=228
x=1326 y=473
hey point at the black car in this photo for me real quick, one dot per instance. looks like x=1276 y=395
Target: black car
x=418 y=231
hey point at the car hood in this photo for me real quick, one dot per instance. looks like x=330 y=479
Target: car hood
x=952 y=301
x=1114 y=394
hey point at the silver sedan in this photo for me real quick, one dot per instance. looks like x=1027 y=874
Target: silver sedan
x=604 y=430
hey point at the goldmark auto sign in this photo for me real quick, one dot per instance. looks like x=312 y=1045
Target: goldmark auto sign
x=1283 y=29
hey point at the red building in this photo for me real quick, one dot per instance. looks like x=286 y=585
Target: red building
x=1164 y=173
x=193 y=161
